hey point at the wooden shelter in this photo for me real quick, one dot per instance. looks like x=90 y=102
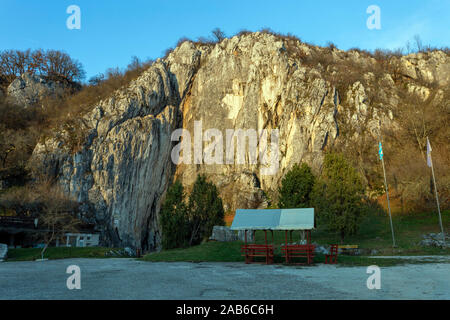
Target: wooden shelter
x=287 y=220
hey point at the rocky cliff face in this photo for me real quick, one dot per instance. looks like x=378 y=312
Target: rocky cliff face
x=28 y=90
x=123 y=167
x=258 y=81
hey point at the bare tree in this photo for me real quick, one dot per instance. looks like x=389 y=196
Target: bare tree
x=218 y=35
x=135 y=64
x=58 y=216
x=408 y=47
x=53 y=64
x=97 y=79
x=59 y=65
x=418 y=42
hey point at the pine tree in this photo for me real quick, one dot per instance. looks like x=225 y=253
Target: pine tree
x=296 y=187
x=205 y=210
x=338 y=196
x=174 y=218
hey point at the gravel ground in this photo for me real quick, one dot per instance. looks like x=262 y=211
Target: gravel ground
x=133 y=279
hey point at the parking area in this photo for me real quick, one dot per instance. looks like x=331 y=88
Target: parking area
x=134 y=279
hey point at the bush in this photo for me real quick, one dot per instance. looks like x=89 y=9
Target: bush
x=173 y=218
x=18 y=134
x=205 y=210
x=186 y=225
x=36 y=200
x=296 y=187
x=338 y=196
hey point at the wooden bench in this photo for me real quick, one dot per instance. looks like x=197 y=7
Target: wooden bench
x=348 y=246
x=349 y=249
x=332 y=257
x=250 y=251
x=298 y=251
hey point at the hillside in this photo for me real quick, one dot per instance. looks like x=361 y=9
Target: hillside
x=115 y=157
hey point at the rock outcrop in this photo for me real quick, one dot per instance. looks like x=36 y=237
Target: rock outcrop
x=435 y=240
x=432 y=67
x=123 y=167
x=259 y=81
x=29 y=90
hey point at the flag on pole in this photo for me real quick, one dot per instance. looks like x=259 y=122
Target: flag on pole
x=380 y=151
x=429 y=163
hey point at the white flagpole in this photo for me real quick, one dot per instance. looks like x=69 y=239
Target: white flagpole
x=389 y=205
x=387 y=196
x=436 y=193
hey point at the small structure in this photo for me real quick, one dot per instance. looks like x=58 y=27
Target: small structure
x=22 y=232
x=287 y=220
x=82 y=239
x=222 y=233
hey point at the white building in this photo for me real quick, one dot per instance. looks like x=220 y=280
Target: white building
x=82 y=239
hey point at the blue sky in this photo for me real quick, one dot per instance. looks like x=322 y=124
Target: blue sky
x=114 y=31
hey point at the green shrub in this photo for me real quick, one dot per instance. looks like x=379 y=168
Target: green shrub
x=205 y=210
x=338 y=196
x=186 y=225
x=173 y=218
x=296 y=187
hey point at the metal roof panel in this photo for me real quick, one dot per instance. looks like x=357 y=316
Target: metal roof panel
x=273 y=219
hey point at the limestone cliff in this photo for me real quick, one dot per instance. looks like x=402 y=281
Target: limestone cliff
x=312 y=95
x=29 y=89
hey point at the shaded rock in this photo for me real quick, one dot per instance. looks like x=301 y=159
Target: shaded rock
x=28 y=90
x=130 y=252
x=3 y=251
x=123 y=167
x=435 y=240
x=430 y=67
x=222 y=233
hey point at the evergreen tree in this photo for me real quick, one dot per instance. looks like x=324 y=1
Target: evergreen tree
x=174 y=218
x=338 y=196
x=296 y=187
x=205 y=210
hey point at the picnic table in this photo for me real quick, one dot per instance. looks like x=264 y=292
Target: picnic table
x=292 y=251
x=250 y=251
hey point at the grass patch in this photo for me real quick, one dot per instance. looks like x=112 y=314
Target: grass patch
x=359 y=261
x=231 y=252
x=30 y=254
x=209 y=251
x=375 y=233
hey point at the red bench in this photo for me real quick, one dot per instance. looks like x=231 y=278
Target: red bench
x=298 y=251
x=332 y=257
x=257 y=250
